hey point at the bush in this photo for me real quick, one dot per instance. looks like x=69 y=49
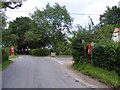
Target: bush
x=106 y=54
x=39 y=52
x=79 y=51
x=53 y=50
x=67 y=51
x=62 y=49
x=5 y=54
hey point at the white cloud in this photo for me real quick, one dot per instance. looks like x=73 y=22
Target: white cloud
x=93 y=7
x=73 y=6
x=27 y=7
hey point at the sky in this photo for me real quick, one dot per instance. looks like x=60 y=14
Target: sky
x=80 y=10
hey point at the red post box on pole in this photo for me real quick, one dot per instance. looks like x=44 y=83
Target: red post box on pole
x=89 y=49
x=12 y=52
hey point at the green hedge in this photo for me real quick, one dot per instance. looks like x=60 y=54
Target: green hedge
x=79 y=51
x=5 y=54
x=39 y=52
x=106 y=54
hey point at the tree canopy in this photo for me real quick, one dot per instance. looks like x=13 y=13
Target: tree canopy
x=10 y=4
x=50 y=25
x=14 y=35
x=111 y=16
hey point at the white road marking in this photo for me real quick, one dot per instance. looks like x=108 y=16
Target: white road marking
x=57 y=60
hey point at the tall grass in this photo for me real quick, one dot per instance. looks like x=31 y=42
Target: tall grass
x=106 y=76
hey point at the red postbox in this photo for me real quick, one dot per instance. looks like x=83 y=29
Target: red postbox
x=89 y=49
x=12 y=52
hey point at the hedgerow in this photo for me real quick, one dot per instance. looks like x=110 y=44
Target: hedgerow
x=39 y=52
x=5 y=54
x=106 y=54
x=79 y=51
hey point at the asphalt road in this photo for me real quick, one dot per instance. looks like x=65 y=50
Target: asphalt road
x=0 y=80
x=38 y=72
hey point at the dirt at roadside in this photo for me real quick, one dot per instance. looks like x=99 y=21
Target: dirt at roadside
x=93 y=83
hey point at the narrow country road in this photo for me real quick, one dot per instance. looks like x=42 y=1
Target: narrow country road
x=38 y=72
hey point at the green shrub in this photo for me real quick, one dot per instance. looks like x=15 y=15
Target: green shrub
x=53 y=50
x=5 y=54
x=79 y=51
x=39 y=52
x=62 y=49
x=106 y=54
x=67 y=51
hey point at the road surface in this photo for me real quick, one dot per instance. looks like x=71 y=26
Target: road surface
x=39 y=72
x=0 y=80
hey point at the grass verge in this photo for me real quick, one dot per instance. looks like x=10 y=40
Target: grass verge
x=13 y=57
x=5 y=64
x=109 y=77
x=0 y=66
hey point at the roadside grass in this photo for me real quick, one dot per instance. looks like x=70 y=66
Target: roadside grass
x=109 y=77
x=5 y=64
x=0 y=66
x=13 y=57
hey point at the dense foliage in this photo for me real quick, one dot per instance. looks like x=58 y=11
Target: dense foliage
x=49 y=26
x=105 y=31
x=45 y=28
x=79 y=46
x=5 y=54
x=39 y=52
x=106 y=55
x=111 y=16
x=62 y=48
x=10 y=4
x=14 y=35
x=105 y=52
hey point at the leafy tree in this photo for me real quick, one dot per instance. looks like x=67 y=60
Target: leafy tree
x=2 y=24
x=103 y=32
x=20 y=25
x=2 y=20
x=51 y=25
x=63 y=48
x=18 y=28
x=36 y=36
x=83 y=34
x=10 y=4
x=3 y=5
x=111 y=16
x=108 y=21
x=9 y=39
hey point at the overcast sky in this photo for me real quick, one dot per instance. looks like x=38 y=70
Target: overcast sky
x=74 y=7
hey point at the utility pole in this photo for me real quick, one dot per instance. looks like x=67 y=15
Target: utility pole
x=119 y=4
x=90 y=23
